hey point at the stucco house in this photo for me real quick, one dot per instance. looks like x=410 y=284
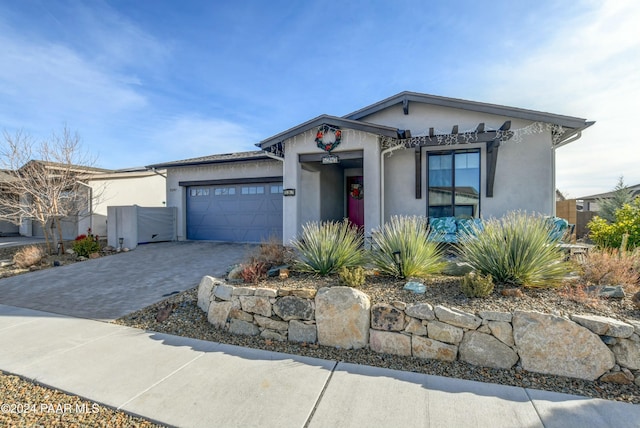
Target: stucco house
x=94 y=189
x=410 y=154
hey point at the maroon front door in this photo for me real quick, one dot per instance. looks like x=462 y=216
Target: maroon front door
x=355 y=200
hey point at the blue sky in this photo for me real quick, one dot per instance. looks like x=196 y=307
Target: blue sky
x=147 y=81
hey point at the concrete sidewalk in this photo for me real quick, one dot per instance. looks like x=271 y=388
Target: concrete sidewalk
x=191 y=383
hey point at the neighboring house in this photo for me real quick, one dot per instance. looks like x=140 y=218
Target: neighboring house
x=410 y=154
x=95 y=189
x=590 y=203
x=123 y=187
x=52 y=171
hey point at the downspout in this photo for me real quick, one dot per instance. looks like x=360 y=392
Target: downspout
x=382 y=154
x=575 y=137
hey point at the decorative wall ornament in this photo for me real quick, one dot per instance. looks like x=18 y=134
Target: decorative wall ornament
x=320 y=137
x=356 y=191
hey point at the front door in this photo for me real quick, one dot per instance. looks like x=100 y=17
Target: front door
x=355 y=200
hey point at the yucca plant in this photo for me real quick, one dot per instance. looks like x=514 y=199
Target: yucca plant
x=402 y=248
x=516 y=249
x=325 y=247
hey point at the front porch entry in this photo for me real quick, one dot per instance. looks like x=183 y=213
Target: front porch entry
x=338 y=187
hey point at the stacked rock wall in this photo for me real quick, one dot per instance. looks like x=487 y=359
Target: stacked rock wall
x=584 y=346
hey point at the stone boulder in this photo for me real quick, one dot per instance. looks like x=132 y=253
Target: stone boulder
x=256 y=305
x=293 y=308
x=219 y=313
x=243 y=328
x=503 y=331
x=386 y=342
x=205 y=291
x=342 y=317
x=301 y=332
x=387 y=317
x=443 y=332
x=422 y=311
x=483 y=349
x=627 y=353
x=432 y=349
x=604 y=325
x=554 y=345
x=457 y=317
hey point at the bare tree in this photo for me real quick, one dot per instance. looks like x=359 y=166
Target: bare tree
x=40 y=180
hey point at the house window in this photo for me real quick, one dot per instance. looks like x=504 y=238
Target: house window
x=225 y=191
x=200 y=192
x=454 y=183
x=253 y=190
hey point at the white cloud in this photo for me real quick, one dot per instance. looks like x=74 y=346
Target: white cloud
x=588 y=68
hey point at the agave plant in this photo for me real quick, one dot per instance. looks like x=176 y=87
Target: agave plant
x=402 y=248
x=325 y=247
x=516 y=249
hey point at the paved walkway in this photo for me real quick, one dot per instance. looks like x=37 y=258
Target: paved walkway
x=110 y=287
x=193 y=383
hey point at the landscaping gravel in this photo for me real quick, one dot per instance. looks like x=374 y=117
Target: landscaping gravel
x=26 y=404
x=190 y=321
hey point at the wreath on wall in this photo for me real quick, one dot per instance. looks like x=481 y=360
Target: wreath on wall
x=322 y=131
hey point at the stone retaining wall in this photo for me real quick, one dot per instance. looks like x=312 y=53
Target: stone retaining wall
x=582 y=346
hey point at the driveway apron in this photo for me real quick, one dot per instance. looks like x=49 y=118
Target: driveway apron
x=110 y=287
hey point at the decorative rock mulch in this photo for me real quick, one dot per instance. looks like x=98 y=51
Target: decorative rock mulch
x=26 y=404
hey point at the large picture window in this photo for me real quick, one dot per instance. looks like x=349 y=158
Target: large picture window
x=454 y=183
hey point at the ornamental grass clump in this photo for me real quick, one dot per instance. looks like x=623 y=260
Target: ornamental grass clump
x=517 y=249
x=402 y=248
x=28 y=256
x=325 y=247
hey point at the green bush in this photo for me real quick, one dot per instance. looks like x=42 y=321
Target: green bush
x=406 y=238
x=476 y=285
x=85 y=245
x=324 y=248
x=610 y=235
x=353 y=276
x=517 y=249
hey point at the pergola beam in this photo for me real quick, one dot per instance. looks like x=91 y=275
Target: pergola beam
x=492 y=139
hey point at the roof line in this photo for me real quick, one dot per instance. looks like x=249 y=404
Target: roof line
x=329 y=120
x=500 y=110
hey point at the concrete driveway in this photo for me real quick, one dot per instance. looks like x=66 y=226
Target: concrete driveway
x=110 y=287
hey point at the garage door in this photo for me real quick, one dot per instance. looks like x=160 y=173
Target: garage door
x=235 y=212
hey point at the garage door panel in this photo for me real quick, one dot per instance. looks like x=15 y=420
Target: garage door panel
x=239 y=213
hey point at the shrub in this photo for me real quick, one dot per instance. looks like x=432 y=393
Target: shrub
x=611 y=267
x=273 y=253
x=253 y=271
x=28 y=256
x=610 y=235
x=324 y=248
x=476 y=285
x=85 y=245
x=406 y=238
x=353 y=276
x=517 y=249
